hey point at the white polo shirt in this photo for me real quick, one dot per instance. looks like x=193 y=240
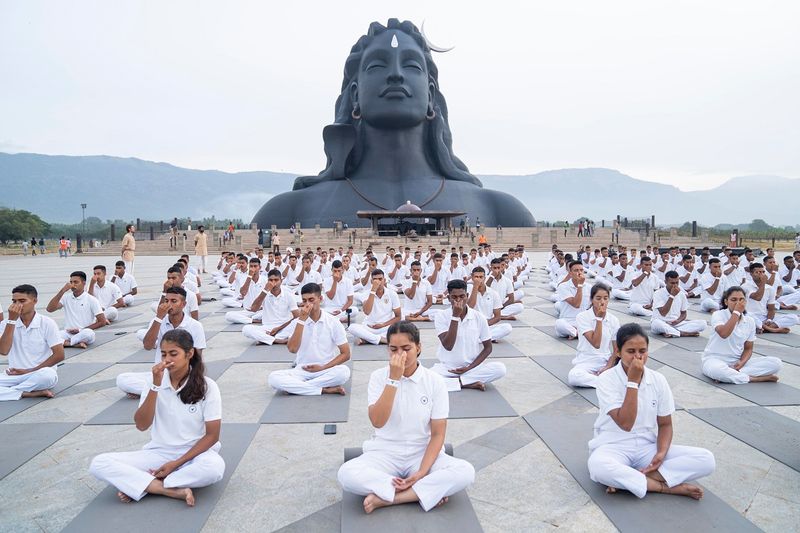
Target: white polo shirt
x=176 y=425
x=400 y=276
x=344 y=289
x=733 y=346
x=759 y=308
x=679 y=303
x=585 y=322
x=654 y=400
x=568 y=290
x=707 y=280
x=456 y=273
x=309 y=277
x=383 y=307
x=793 y=281
x=277 y=310
x=125 y=283
x=32 y=345
x=320 y=340
x=189 y=324
x=440 y=286
x=685 y=285
x=737 y=277
x=253 y=290
x=412 y=305
x=617 y=271
x=643 y=292
x=191 y=301
x=487 y=302
x=420 y=398
x=79 y=312
x=291 y=274
x=108 y=294
x=473 y=331
x=503 y=286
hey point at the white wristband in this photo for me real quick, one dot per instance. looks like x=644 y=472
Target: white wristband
x=599 y=318
x=737 y=313
x=159 y=320
x=163 y=294
x=456 y=319
x=265 y=291
x=671 y=297
x=392 y=383
x=632 y=385
x=154 y=387
x=580 y=285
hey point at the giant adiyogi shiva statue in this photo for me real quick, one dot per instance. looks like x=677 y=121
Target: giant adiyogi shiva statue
x=390 y=144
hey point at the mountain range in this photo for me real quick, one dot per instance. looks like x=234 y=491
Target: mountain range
x=53 y=187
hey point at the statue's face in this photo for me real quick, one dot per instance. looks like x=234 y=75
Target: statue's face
x=392 y=89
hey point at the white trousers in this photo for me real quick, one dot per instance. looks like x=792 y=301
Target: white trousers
x=718 y=368
x=112 y=313
x=709 y=305
x=566 y=328
x=790 y=299
x=231 y=301
x=788 y=289
x=298 y=381
x=128 y=299
x=639 y=310
x=366 y=333
x=129 y=471
x=617 y=465
x=242 y=317
x=133 y=382
x=619 y=294
x=783 y=321
x=500 y=330
x=227 y=292
x=129 y=266
x=582 y=372
x=85 y=335
x=203 y=259
x=485 y=372
x=12 y=387
x=373 y=472
x=518 y=295
x=260 y=332
x=512 y=310
x=222 y=283
x=687 y=326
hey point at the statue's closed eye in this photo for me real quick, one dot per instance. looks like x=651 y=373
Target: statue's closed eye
x=375 y=65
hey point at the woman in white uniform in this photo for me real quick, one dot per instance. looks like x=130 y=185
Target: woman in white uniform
x=183 y=411
x=728 y=356
x=405 y=461
x=632 y=445
x=597 y=331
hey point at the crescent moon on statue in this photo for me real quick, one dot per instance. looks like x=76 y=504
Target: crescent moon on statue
x=432 y=46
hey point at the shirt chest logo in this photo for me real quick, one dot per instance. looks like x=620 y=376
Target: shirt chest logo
x=192 y=408
x=424 y=400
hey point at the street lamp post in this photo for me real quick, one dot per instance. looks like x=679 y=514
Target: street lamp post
x=83 y=221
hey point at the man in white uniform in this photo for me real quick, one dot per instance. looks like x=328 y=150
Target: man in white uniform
x=438 y=279
x=572 y=298
x=235 y=281
x=418 y=295
x=505 y=288
x=250 y=290
x=175 y=279
x=126 y=283
x=307 y=274
x=643 y=286
x=488 y=303
x=337 y=292
x=82 y=312
x=688 y=277
x=382 y=309
x=33 y=346
x=465 y=342
x=107 y=293
x=669 y=311
x=171 y=314
x=714 y=285
x=761 y=304
x=398 y=274
x=316 y=337
x=278 y=310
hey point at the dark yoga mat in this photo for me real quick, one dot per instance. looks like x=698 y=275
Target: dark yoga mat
x=68 y=375
x=514 y=324
x=758 y=393
x=101 y=338
x=19 y=443
x=548 y=310
x=369 y=352
x=788 y=339
x=122 y=411
x=233 y=328
x=261 y=353
x=470 y=403
x=456 y=515
x=158 y=513
x=566 y=436
x=559 y=366
x=787 y=354
x=551 y=332
x=293 y=409
x=147 y=356
x=692 y=344
x=766 y=431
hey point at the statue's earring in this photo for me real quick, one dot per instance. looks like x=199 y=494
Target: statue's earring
x=431 y=114
x=356 y=112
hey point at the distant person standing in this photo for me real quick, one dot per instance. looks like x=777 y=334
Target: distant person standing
x=580 y=229
x=25 y=248
x=201 y=247
x=42 y=249
x=260 y=237
x=276 y=242
x=129 y=247
x=69 y=246
x=566 y=228
x=62 y=247
x=797 y=241
x=33 y=245
x=733 y=239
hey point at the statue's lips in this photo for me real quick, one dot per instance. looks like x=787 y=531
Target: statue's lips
x=395 y=90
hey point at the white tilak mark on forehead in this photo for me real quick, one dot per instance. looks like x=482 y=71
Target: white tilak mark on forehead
x=394 y=41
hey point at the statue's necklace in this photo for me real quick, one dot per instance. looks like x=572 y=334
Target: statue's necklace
x=379 y=206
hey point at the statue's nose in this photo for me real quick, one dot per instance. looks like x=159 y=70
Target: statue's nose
x=395 y=72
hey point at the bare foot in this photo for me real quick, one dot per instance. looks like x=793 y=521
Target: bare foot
x=372 y=502
x=611 y=490
x=188 y=496
x=758 y=379
x=46 y=393
x=360 y=342
x=443 y=501
x=508 y=318
x=685 y=489
x=477 y=385
x=684 y=334
x=667 y=335
x=124 y=498
x=81 y=345
x=334 y=390
x=132 y=396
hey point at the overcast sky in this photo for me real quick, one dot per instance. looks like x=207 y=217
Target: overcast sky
x=682 y=92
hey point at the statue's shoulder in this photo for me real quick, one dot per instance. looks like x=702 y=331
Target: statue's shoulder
x=509 y=211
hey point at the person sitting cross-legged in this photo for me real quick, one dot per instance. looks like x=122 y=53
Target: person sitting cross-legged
x=382 y=309
x=669 y=311
x=278 y=309
x=489 y=304
x=83 y=314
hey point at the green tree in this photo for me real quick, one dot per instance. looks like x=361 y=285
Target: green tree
x=18 y=224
